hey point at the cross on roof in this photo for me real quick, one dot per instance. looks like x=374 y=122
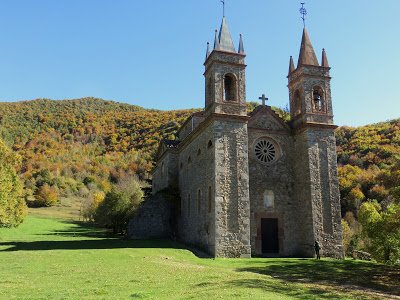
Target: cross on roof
x=263 y=99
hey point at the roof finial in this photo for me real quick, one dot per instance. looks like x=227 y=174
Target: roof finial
x=208 y=50
x=303 y=13
x=241 y=47
x=223 y=8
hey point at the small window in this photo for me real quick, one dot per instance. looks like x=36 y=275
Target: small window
x=269 y=199
x=189 y=160
x=199 y=152
x=181 y=166
x=209 y=199
x=209 y=145
x=230 y=87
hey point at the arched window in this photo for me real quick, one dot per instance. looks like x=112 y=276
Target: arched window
x=297 y=103
x=209 y=199
x=199 y=152
x=318 y=99
x=189 y=160
x=269 y=199
x=198 y=200
x=209 y=145
x=230 y=87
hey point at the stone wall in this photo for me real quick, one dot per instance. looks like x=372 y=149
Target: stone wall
x=232 y=205
x=317 y=148
x=196 y=181
x=154 y=219
x=166 y=171
x=276 y=177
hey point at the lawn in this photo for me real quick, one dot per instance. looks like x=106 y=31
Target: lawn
x=60 y=259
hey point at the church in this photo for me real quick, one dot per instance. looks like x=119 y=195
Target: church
x=251 y=184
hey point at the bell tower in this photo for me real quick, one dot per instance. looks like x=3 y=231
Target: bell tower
x=225 y=77
x=316 y=190
x=309 y=87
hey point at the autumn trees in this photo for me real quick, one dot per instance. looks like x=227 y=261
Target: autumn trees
x=369 y=180
x=12 y=204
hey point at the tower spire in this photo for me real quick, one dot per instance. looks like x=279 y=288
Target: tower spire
x=324 y=61
x=208 y=50
x=291 y=65
x=307 y=55
x=241 y=47
x=225 y=39
x=216 y=41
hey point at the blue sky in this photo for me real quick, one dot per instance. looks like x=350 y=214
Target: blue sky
x=151 y=53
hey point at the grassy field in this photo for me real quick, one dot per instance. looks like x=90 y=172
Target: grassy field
x=60 y=259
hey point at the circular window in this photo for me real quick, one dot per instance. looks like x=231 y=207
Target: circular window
x=265 y=151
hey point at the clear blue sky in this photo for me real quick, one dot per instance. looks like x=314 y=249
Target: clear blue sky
x=151 y=53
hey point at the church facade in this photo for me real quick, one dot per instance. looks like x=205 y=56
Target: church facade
x=251 y=184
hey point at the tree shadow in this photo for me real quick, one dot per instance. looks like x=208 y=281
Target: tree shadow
x=84 y=236
x=96 y=244
x=346 y=273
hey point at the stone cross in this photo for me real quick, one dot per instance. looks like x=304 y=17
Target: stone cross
x=263 y=99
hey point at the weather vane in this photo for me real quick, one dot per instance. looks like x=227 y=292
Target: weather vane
x=303 y=13
x=223 y=8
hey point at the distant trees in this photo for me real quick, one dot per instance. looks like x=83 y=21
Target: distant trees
x=12 y=205
x=369 y=180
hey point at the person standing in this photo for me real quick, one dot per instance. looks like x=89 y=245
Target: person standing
x=317 y=248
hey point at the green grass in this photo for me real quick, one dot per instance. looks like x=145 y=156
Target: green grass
x=58 y=259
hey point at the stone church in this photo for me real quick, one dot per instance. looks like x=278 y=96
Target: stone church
x=251 y=184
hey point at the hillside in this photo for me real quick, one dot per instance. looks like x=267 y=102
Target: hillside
x=76 y=146
x=83 y=144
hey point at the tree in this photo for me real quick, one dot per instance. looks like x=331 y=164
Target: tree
x=119 y=205
x=46 y=195
x=12 y=204
x=383 y=230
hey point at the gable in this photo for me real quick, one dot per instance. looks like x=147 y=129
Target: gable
x=263 y=117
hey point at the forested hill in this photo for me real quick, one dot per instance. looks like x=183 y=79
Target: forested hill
x=68 y=144
x=73 y=146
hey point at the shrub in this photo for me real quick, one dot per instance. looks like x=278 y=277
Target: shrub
x=119 y=205
x=46 y=196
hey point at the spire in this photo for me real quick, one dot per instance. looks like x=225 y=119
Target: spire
x=216 y=41
x=307 y=55
x=241 y=48
x=225 y=39
x=208 y=50
x=324 y=61
x=291 y=65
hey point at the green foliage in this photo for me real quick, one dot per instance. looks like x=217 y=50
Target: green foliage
x=12 y=205
x=119 y=205
x=382 y=227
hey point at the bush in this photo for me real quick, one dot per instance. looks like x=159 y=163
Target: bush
x=12 y=205
x=119 y=205
x=46 y=196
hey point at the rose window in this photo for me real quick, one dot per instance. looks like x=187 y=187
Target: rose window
x=265 y=151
